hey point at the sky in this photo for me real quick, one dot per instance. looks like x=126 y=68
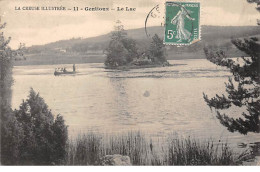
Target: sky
x=41 y=27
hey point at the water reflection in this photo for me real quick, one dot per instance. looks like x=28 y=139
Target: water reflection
x=120 y=97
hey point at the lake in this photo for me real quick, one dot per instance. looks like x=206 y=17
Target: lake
x=157 y=101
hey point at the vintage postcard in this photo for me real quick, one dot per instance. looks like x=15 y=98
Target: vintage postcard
x=130 y=83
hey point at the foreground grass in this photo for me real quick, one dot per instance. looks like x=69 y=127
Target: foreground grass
x=89 y=148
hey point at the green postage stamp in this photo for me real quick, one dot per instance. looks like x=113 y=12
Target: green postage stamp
x=182 y=23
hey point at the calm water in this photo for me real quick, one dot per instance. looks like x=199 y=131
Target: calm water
x=156 y=100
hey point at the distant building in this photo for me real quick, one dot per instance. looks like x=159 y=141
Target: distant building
x=61 y=50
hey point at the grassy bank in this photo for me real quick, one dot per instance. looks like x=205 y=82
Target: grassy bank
x=143 y=150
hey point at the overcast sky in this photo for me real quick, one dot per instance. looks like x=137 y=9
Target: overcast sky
x=40 y=27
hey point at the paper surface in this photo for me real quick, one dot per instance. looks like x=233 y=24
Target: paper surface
x=114 y=67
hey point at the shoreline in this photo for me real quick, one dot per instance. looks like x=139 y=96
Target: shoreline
x=141 y=67
x=26 y=63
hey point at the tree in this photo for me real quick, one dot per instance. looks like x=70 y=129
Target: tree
x=60 y=135
x=121 y=50
x=116 y=54
x=21 y=49
x=132 y=51
x=6 y=68
x=157 y=49
x=44 y=139
x=119 y=32
x=11 y=131
x=257 y=7
x=245 y=93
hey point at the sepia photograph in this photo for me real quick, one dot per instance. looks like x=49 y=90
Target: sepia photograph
x=130 y=83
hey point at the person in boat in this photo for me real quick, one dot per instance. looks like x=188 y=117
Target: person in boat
x=74 y=68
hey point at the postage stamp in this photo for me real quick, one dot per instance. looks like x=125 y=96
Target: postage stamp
x=182 y=23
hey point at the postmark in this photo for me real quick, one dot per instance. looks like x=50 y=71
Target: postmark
x=182 y=23
x=154 y=18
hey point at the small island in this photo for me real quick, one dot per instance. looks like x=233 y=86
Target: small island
x=123 y=53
